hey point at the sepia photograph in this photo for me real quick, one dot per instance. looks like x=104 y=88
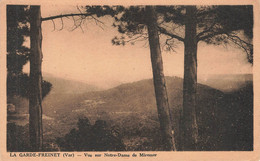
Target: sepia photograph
x=129 y=78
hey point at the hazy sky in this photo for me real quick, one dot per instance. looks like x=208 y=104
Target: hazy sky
x=91 y=57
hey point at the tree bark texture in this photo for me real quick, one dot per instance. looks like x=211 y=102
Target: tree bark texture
x=35 y=97
x=159 y=81
x=189 y=127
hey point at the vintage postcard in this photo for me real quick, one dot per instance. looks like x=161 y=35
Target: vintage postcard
x=129 y=80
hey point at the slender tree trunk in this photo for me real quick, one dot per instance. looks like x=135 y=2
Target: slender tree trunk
x=35 y=98
x=159 y=81
x=189 y=127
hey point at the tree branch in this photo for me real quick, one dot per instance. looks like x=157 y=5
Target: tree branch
x=136 y=38
x=82 y=16
x=53 y=25
x=237 y=37
x=205 y=31
x=240 y=44
x=62 y=25
x=163 y=31
x=169 y=45
x=66 y=15
x=211 y=35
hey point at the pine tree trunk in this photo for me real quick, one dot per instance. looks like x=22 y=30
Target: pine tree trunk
x=189 y=126
x=159 y=81
x=35 y=98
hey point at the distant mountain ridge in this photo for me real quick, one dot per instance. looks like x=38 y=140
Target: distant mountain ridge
x=226 y=82
x=60 y=85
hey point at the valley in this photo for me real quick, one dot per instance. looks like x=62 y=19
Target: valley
x=131 y=109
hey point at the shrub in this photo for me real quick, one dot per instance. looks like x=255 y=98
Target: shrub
x=87 y=137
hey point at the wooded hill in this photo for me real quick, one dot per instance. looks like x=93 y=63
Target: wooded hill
x=225 y=119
